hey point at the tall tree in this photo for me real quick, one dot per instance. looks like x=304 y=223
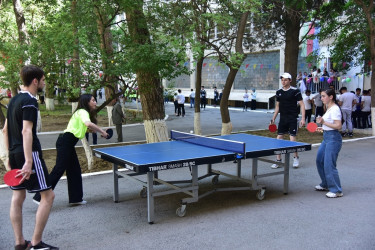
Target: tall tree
x=233 y=19
x=289 y=16
x=149 y=81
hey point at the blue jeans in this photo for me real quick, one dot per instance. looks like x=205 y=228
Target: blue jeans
x=326 y=160
x=192 y=102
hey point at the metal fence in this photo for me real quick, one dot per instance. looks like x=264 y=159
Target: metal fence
x=322 y=84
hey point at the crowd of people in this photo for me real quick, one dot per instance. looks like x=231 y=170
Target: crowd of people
x=317 y=79
x=356 y=107
x=249 y=99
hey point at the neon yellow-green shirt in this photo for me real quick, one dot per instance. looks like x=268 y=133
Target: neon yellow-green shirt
x=76 y=124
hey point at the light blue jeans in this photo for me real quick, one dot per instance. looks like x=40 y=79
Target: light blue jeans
x=347 y=115
x=326 y=160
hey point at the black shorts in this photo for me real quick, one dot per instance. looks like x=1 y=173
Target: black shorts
x=39 y=180
x=288 y=125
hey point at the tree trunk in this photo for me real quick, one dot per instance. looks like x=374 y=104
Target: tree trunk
x=74 y=106
x=106 y=46
x=76 y=61
x=226 y=128
x=109 y=112
x=292 y=29
x=198 y=85
x=225 y=117
x=50 y=104
x=2 y=116
x=20 y=20
x=149 y=83
x=22 y=35
x=88 y=153
x=368 y=9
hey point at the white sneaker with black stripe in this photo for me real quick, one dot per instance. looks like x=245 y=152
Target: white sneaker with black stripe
x=275 y=165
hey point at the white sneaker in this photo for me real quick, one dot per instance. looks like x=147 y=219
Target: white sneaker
x=275 y=165
x=334 y=195
x=78 y=203
x=320 y=188
x=296 y=162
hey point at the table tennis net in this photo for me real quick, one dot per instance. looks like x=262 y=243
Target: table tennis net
x=218 y=143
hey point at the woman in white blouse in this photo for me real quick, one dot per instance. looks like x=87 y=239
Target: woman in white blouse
x=330 y=147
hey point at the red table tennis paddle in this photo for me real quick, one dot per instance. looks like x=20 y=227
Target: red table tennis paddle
x=272 y=127
x=311 y=127
x=11 y=178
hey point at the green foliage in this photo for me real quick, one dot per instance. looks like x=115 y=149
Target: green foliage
x=348 y=29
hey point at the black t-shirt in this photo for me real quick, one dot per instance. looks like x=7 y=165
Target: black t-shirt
x=203 y=93
x=216 y=94
x=23 y=106
x=288 y=101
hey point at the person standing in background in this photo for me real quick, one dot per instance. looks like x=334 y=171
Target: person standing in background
x=346 y=102
x=9 y=93
x=307 y=102
x=216 y=96
x=118 y=118
x=192 y=98
x=253 y=99
x=203 y=95
x=317 y=102
x=181 y=103
x=245 y=100
x=175 y=103
x=356 y=114
x=366 y=109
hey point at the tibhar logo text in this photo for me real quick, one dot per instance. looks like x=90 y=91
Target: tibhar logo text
x=172 y=166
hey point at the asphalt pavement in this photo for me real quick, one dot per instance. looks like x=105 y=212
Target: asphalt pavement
x=303 y=219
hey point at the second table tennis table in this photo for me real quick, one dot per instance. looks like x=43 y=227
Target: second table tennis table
x=192 y=152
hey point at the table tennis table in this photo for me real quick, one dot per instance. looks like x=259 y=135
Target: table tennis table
x=191 y=151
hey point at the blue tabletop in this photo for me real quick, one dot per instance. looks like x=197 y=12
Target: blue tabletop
x=175 y=154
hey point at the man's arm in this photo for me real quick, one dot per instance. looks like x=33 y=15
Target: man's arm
x=27 y=141
x=6 y=139
x=302 y=106
x=5 y=132
x=276 y=112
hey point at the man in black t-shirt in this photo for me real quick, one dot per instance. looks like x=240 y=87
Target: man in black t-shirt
x=25 y=154
x=203 y=98
x=286 y=104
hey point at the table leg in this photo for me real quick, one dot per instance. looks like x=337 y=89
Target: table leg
x=115 y=183
x=254 y=174
x=239 y=168
x=194 y=174
x=150 y=197
x=286 y=173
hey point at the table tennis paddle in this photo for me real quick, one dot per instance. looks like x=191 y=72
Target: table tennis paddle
x=110 y=133
x=11 y=178
x=272 y=127
x=311 y=127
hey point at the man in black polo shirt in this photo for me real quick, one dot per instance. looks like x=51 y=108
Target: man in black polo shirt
x=286 y=104
x=25 y=154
